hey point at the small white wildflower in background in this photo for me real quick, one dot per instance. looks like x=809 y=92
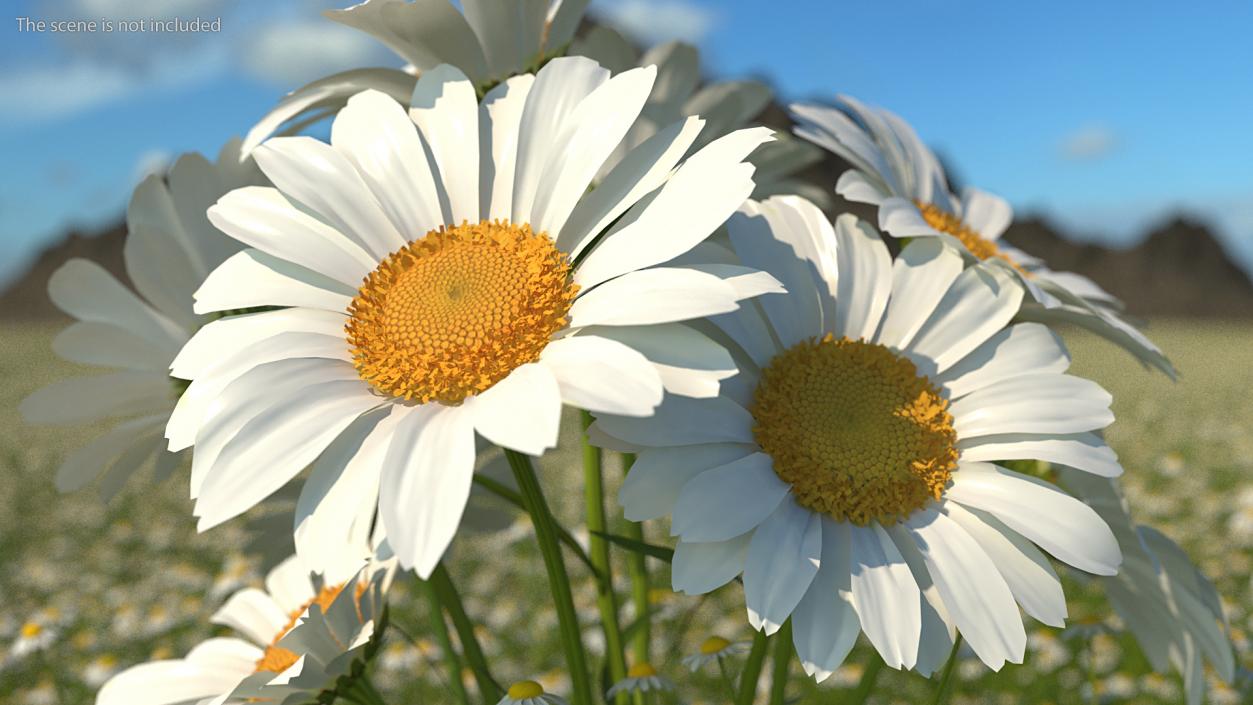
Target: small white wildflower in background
x=641 y=678
x=713 y=649
x=529 y=693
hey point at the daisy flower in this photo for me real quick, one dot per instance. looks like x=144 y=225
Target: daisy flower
x=487 y=40
x=847 y=472
x=170 y=248
x=1169 y=606
x=529 y=693
x=474 y=291
x=301 y=634
x=712 y=650
x=640 y=678
x=33 y=636
x=895 y=171
x=725 y=105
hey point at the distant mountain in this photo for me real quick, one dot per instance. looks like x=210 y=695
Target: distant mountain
x=26 y=297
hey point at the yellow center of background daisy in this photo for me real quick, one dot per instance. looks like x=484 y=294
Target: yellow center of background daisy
x=947 y=223
x=276 y=659
x=854 y=429
x=456 y=311
x=713 y=645
x=641 y=670
x=525 y=689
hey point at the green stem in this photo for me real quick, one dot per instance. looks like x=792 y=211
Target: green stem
x=868 y=677
x=726 y=679
x=558 y=579
x=440 y=628
x=942 y=692
x=598 y=548
x=782 y=663
x=365 y=692
x=507 y=494
x=637 y=567
x=752 y=669
x=489 y=689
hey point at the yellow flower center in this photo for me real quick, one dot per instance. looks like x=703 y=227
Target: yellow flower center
x=854 y=429
x=525 y=689
x=979 y=246
x=276 y=659
x=451 y=314
x=30 y=630
x=641 y=670
x=713 y=645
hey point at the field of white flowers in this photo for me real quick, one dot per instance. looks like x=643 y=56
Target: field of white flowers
x=87 y=589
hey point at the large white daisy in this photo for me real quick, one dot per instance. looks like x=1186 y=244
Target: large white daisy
x=170 y=248
x=895 y=171
x=300 y=634
x=848 y=471
x=487 y=40
x=447 y=271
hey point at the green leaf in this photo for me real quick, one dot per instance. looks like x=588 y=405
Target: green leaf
x=659 y=552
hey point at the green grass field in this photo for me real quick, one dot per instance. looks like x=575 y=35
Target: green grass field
x=129 y=581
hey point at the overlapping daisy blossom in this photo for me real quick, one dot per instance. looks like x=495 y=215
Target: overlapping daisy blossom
x=849 y=472
x=300 y=635
x=487 y=40
x=446 y=272
x=895 y=171
x=170 y=248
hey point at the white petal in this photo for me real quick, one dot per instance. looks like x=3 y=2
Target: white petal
x=1028 y=572
x=689 y=363
x=1082 y=451
x=376 y=135
x=87 y=292
x=978 y=304
x=854 y=186
x=986 y=213
x=593 y=129
x=260 y=217
x=86 y=463
x=699 y=197
x=104 y=344
x=899 y=217
x=252 y=278
x=445 y=108
x=728 y=500
x=425 y=33
x=426 y=482
x=602 y=375
x=658 y=295
x=252 y=613
x=289 y=584
x=167 y=683
x=1033 y=403
x=921 y=274
x=658 y=475
x=699 y=568
x=824 y=623
x=225 y=653
x=509 y=32
x=1020 y=349
x=81 y=399
x=320 y=177
x=500 y=117
x=1055 y=521
x=559 y=87
x=864 y=279
x=522 y=411
x=683 y=421
x=205 y=349
x=938 y=632
x=782 y=561
x=885 y=596
x=973 y=590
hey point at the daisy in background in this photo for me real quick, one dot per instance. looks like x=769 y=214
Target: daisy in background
x=713 y=650
x=300 y=635
x=474 y=292
x=726 y=106
x=487 y=40
x=170 y=248
x=641 y=678
x=529 y=693
x=895 y=171
x=1170 y=607
x=848 y=472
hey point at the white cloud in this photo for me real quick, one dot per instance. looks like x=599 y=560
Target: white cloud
x=291 y=53
x=1089 y=143
x=657 y=21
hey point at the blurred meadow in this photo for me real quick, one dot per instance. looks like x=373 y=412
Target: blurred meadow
x=100 y=587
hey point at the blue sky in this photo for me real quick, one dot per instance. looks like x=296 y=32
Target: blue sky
x=1103 y=118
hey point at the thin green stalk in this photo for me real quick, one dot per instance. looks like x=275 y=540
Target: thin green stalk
x=558 y=579
x=598 y=548
x=365 y=693
x=637 y=567
x=942 y=692
x=726 y=679
x=440 y=629
x=489 y=689
x=752 y=669
x=868 y=677
x=507 y=494
x=782 y=663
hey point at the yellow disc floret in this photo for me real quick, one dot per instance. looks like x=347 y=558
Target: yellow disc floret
x=525 y=689
x=277 y=659
x=978 y=245
x=713 y=645
x=854 y=429
x=642 y=669
x=456 y=311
